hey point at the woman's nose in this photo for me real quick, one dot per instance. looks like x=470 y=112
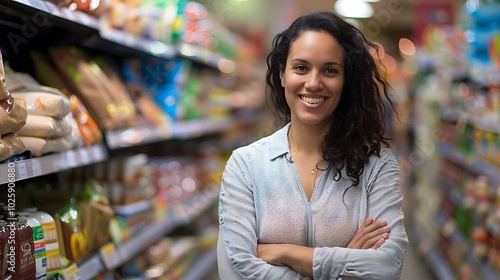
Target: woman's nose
x=313 y=82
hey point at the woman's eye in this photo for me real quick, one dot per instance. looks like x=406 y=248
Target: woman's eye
x=300 y=68
x=331 y=71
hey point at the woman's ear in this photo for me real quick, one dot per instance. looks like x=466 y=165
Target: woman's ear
x=282 y=78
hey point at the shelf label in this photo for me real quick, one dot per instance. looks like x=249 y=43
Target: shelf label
x=36 y=166
x=110 y=256
x=84 y=156
x=22 y=172
x=71 y=159
x=97 y=153
x=71 y=273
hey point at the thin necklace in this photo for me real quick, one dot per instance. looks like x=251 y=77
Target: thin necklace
x=313 y=170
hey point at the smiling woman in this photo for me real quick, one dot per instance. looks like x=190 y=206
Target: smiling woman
x=320 y=198
x=313 y=78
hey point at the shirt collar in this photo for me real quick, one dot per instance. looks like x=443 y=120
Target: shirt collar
x=279 y=143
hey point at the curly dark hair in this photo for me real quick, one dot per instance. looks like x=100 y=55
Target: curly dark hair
x=358 y=130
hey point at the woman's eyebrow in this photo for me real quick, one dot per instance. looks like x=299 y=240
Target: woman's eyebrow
x=305 y=61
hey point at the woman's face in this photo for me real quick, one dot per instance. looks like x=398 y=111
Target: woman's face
x=313 y=77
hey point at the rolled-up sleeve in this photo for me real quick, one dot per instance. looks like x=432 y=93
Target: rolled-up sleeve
x=237 y=248
x=384 y=202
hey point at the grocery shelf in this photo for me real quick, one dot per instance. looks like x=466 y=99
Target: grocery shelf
x=458 y=199
x=199 y=54
x=88 y=31
x=137 y=135
x=125 y=43
x=452 y=114
x=52 y=163
x=438 y=264
x=487 y=272
x=200 y=127
x=489 y=126
x=452 y=192
x=44 y=14
x=178 y=214
x=204 y=265
x=133 y=208
x=458 y=239
x=175 y=130
x=433 y=257
x=473 y=163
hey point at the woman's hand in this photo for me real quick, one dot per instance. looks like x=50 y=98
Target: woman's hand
x=271 y=253
x=371 y=235
x=299 y=258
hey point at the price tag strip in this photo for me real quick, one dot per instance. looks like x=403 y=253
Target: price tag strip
x=110 y=256
x=22 y=172
x=36 y=167
x=71 y=273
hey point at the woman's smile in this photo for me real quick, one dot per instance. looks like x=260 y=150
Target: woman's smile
x=312 y=100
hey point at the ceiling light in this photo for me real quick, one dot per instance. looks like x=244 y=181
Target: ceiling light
x=353 y=8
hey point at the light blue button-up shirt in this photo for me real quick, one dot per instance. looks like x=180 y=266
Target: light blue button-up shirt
x=262 y=201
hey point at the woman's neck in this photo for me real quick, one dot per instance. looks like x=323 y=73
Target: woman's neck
x=305 y=139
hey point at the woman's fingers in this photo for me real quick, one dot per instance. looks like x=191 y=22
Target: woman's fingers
x=378 y=243
x=375 y=240
x=371 y=234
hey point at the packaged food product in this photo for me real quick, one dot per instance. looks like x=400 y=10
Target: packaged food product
x=50 y=235
x=24 y=264
x=96 y=213
x=10 y=145
x=39 y=146
x=6 y=100
x=89 y=130
x=45 y=127
x=39 y=244
x=112 y=82
x=73 y=241
x=92 y=86
x=75 y=133
x=15 y=119
x=148 y=109
x=45 y=101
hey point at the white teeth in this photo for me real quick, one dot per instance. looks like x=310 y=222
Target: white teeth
x=313 y=100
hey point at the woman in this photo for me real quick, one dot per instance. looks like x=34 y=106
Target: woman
x=320 y=198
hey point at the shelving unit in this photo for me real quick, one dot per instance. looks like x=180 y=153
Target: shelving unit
x=57 y=162
x=175 y=130
x=432 y=256
x=65 y=27
x=452 y=114
x=179 y=214
x=455 y=94
x=472 y=163
x=53 y=163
